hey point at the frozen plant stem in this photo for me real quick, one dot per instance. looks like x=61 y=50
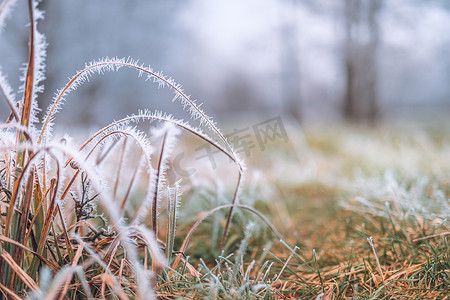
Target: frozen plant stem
x=155 y=197
x=28 y=90
x=37 y=174
x=370 y=241
x=196 y=113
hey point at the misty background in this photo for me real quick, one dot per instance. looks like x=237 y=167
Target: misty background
x=315 y=61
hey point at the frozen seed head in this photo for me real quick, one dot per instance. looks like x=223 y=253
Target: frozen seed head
x=74 y=165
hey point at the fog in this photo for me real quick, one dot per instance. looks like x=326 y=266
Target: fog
x=252 y=58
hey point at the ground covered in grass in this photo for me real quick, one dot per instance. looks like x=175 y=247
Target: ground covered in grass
x=131 y=213
x=363 y=213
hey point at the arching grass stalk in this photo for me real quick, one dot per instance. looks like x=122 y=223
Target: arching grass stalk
x=114 y=64
x=44 y=194
x=202 y=218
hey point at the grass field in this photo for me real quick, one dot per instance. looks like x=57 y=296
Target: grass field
x=364 y=214
x=330 y=212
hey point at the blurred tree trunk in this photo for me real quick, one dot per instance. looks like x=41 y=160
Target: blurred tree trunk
x=289 y=61
x=360 y=56
x=372 y=61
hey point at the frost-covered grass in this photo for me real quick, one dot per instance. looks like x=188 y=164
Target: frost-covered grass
x=69 y=228
x=349 y=189
x=364 y=214
x=333 y=213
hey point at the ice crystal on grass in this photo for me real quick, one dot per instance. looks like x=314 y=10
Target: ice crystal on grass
x=7 y=92
x=35 y=69
x=115 y=64
x=6 y=8
x=59 y=212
